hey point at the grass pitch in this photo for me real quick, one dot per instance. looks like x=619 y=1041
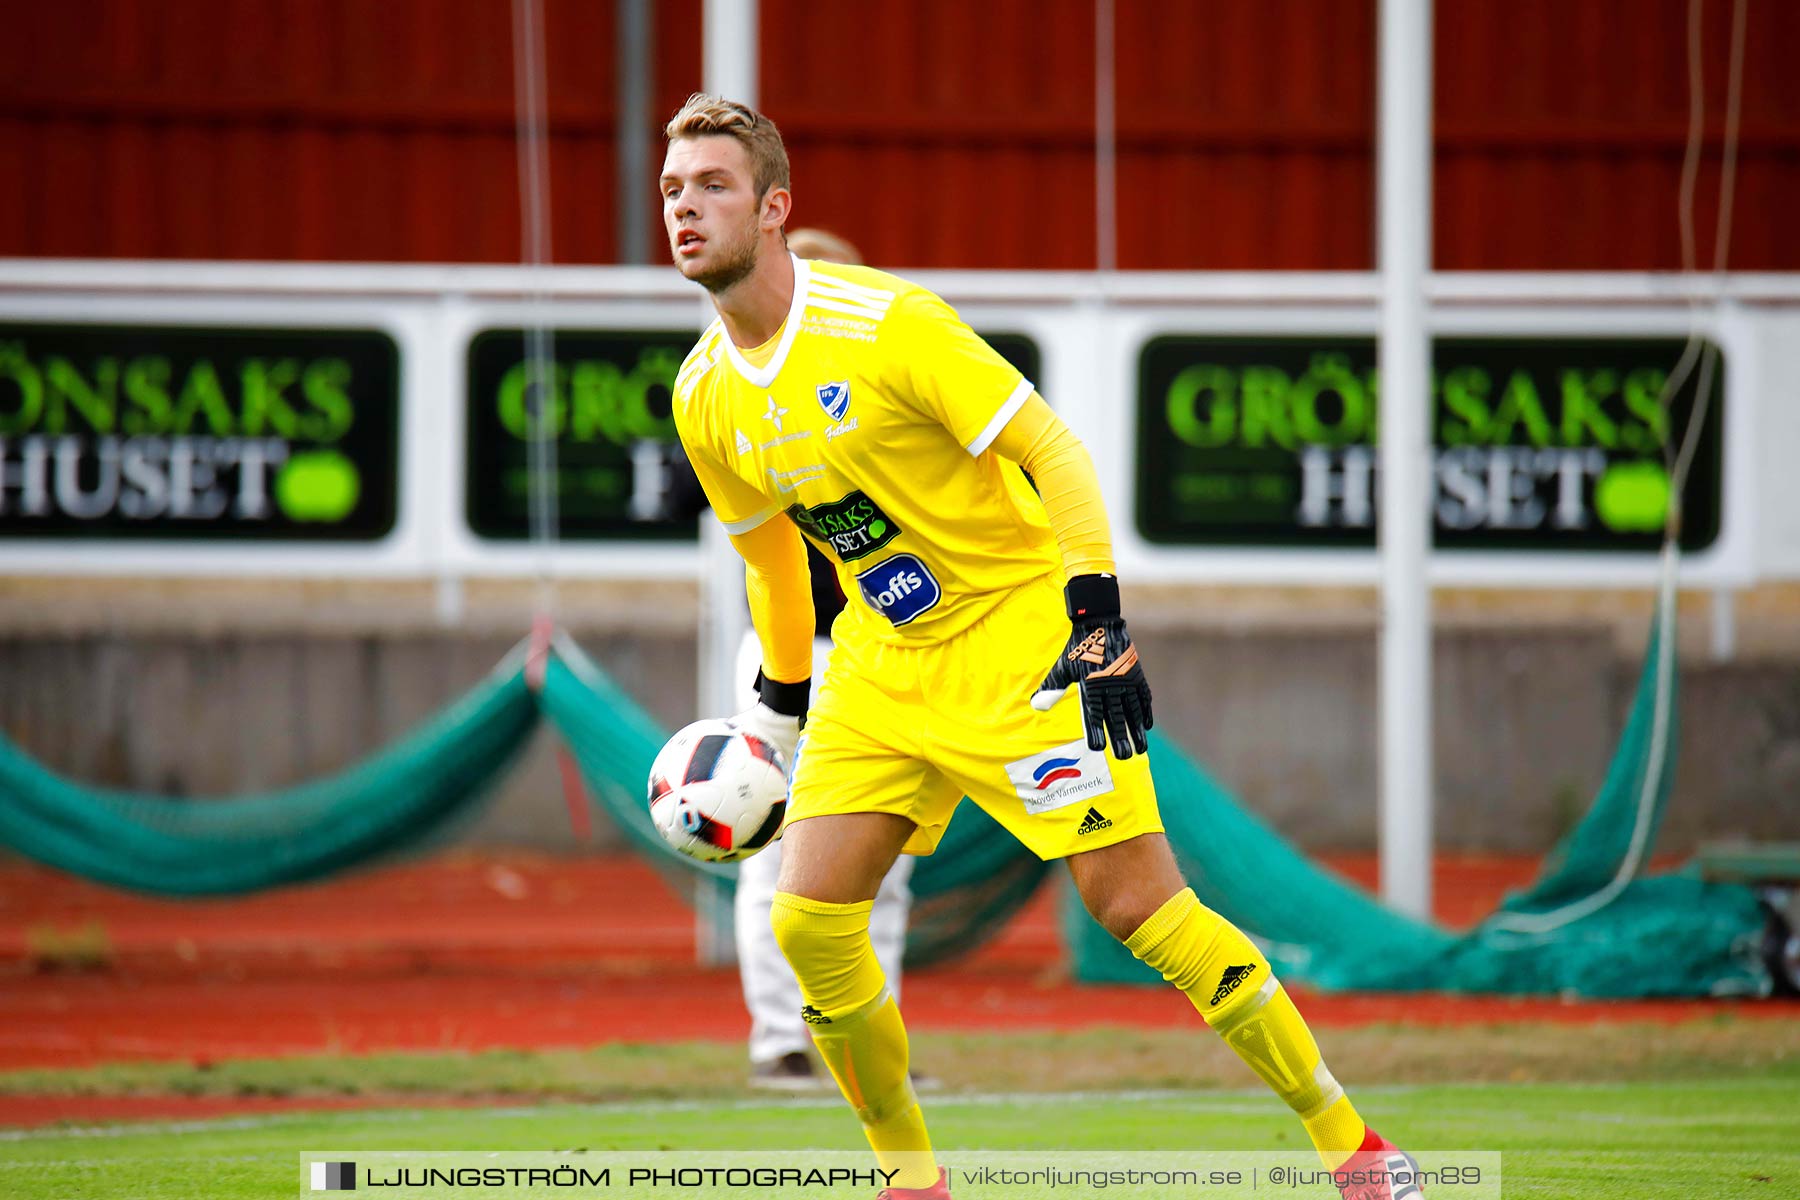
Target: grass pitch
x=1693 y=1139
x=1698 y=1110
x=1098 y=1059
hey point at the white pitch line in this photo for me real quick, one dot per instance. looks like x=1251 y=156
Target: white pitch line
x=1230 y=1101
x=1226 y=1101
x=108 y=1163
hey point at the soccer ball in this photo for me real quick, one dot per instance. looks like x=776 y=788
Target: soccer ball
x=717 y=793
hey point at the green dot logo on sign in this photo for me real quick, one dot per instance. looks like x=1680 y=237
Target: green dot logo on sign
x=877 y=528
x=318 y=486
x=1633 y=497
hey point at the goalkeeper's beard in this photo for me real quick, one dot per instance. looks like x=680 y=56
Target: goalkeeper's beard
x=729 y=272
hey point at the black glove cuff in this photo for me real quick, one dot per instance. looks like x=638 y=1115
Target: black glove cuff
x=1092 y=597
x=788 y=699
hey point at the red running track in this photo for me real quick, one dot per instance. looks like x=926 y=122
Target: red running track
x=465 y=953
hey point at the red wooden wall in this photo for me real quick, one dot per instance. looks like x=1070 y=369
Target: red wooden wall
x=932 y=132
x=1561 y=126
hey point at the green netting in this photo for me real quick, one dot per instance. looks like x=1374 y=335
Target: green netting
x=614 y=742
x=1614 y=838
x=244 y=843
x=966 y=890
x=1587 y=926
x=961 y=895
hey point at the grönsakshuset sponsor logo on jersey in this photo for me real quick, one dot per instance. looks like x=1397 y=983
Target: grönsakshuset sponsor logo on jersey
x=853 y=526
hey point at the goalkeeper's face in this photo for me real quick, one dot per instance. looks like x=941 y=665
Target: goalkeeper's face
x=717 y=224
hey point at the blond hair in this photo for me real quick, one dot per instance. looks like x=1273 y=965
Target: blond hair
x=707 y=115
x=817 y=243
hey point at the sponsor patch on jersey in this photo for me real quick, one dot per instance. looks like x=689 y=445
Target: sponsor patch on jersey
x=900 y=588
x=853 y=527
x=788 y=481
x=1060 y=776
x=834 y=398
x=836 y=327
x=799 y=435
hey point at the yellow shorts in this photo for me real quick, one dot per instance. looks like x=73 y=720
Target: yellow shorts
x=911 y=730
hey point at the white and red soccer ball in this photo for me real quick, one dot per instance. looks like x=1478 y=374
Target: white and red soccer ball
x=718 y=793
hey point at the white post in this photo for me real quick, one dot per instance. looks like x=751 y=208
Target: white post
x=724 y=619
x=730 y=45
x=729 y=49
x=1404 y=199
x=1724 y=623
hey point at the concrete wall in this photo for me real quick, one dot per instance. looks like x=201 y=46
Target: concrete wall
x=1525 y=724
x=205 y=716
x=1525 y=721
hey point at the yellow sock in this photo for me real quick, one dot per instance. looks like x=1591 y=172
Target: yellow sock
x=856 y=1026
x=1230 y=982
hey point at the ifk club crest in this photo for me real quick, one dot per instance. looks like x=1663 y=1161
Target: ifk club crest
x=834 y=398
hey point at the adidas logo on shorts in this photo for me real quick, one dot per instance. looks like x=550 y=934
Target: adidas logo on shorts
x=1093 y=823
x=813 y=1016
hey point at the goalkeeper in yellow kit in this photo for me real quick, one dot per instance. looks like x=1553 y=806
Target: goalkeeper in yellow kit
x=849 y=406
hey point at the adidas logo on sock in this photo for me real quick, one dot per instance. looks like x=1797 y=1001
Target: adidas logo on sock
x=813 y=1016
x=1229 y=980
x=1093 y=823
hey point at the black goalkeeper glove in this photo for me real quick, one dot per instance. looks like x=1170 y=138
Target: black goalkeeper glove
x=1102 y=662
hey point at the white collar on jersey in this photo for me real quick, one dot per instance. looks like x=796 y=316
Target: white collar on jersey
x=764 y=376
